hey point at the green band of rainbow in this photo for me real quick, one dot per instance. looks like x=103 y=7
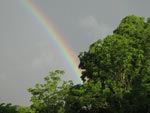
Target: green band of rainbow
x=67 y=53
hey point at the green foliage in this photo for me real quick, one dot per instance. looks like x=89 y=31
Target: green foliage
x=86 y=98
x=8 y=108
x=121 y=63
x=22 y=109
x=50 y=96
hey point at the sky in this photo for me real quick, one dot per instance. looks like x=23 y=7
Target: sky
x=27 y=53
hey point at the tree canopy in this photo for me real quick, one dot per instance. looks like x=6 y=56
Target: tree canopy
x=121 y=63
x=50 y=96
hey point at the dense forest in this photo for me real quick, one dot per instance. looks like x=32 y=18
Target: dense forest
x=115 y=74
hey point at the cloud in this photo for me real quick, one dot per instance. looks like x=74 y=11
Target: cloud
x=95 y=29
x=45 y=58
x=42 y=60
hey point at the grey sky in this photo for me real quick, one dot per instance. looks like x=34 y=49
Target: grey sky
x=26 y=53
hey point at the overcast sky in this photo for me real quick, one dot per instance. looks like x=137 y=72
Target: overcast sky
x=26 y=53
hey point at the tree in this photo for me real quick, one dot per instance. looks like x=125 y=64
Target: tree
x=50 y=96
x=8 y=108
x=22 y=109
x=120 y=63
x=86 y=98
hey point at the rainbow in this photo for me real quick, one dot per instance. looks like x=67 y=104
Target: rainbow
x=67 y=53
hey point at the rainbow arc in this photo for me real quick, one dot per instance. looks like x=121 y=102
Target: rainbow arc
x=67 y=53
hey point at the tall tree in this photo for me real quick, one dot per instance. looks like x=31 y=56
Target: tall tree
x=121 y=63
